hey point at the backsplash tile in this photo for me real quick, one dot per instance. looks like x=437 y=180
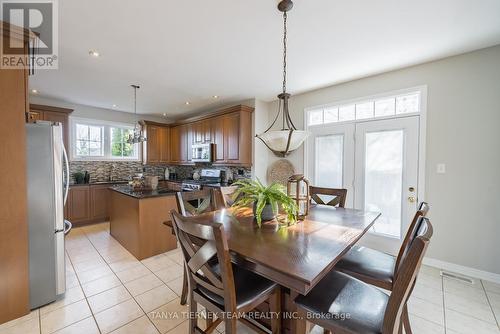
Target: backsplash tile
x=124 y=170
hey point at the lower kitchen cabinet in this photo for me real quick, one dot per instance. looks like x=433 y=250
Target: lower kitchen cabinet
x=88 y=203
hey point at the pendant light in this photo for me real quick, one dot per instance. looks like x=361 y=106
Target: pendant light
x=137 y=136
x=288 y=139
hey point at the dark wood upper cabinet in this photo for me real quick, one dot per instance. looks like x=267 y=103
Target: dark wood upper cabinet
x=164 y=144
x=232 y=137
x=218 y=139
x=39 y=112
x=156 y=149
x=175 y=146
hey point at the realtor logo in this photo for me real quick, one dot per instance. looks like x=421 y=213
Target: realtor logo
x=40 y=17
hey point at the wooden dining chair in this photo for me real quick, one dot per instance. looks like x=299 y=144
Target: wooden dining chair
x=225 y=196
x=192 y=203
x=378 y=268
x=338 y=200
x=343 y=304
x=224 y=289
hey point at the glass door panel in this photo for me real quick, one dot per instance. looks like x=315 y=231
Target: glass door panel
x=329 y=161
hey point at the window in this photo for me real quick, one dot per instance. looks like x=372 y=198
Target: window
x=386 y=106
x=100 y=140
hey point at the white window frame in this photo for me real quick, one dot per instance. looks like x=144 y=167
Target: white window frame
x=73 y=121
x=422 y=89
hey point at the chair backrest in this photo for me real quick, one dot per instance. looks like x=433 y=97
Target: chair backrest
x=206 y=254
x=193 y=203
x=423 y=209
x=338 y=200
x=407 y=275
x=225 y=196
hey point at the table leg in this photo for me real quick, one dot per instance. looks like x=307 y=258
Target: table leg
x=298 y=322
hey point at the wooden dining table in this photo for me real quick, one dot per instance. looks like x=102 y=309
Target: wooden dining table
x=296 y=257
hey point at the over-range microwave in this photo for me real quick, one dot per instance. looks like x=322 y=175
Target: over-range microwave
x=201 y=152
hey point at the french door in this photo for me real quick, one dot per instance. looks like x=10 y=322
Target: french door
x=377 y=162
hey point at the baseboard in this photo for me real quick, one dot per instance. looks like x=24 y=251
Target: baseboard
x=467 y=271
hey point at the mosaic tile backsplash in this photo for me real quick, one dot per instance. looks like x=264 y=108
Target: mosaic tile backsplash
x=124 y=170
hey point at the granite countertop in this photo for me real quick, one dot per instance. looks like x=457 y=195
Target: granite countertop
x=142 y=194
x=98 y=183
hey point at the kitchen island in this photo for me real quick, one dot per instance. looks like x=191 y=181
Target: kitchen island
x=137 y=217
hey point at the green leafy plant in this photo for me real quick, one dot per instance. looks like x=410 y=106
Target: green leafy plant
x=79 y=177
x=253 y=192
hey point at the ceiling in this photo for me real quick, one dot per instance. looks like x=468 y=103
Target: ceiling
x=182 y=51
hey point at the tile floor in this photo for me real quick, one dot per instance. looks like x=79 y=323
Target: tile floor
x=109 y=291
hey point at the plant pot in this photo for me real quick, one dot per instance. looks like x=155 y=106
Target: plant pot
x=267 y=213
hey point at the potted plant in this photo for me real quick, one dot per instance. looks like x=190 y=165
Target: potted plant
x=265 y=200
x=79 y=177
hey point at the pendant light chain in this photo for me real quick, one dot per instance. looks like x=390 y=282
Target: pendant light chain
x=284 y=50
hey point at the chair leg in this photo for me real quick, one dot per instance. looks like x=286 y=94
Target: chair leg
x=326 y=331
x=275 y=308
x=193 y=317
x=185 y=288
x=406 y=320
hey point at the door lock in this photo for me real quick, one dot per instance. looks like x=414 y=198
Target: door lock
x=411 y=199
x=411 y=189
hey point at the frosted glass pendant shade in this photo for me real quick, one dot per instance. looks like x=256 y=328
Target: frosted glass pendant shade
x=282 y=142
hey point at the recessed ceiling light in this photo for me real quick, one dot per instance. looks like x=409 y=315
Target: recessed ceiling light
x=34 y=91
x=164 y=114
x=114 y=106
x=188 y=103
x=94 y=53
x=215 y=96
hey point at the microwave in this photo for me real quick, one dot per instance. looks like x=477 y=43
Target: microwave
x=201 y=153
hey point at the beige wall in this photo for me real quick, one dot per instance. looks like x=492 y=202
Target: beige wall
x=463 y=131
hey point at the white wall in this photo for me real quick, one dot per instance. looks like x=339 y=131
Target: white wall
x=463 y=131
x=260 y=156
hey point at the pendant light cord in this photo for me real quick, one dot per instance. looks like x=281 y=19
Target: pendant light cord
x=284 y=50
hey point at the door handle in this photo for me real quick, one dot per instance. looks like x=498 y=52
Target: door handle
x=412 y=199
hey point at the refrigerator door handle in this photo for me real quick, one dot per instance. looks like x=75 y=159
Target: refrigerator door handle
x=66 y=183
x=67 y=227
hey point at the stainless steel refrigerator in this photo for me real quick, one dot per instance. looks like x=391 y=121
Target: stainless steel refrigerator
x=48 y=184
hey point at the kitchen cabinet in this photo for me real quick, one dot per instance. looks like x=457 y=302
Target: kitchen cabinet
x=39 y=112
x=180 y=144
x=14 y=290
x=78 y=204
x=88 y=203
x=156 y=149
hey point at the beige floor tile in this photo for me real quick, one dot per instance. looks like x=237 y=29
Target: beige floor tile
x=143 y=284
x=469 y=307
x=466 y=291
x=176 y=256
x=118 y=315
x=170 y=273
x=133 y=273
x=31 y=326
x=491 y=286
x=242 y=329
x=64 y=316
x=71 y=281
x=168 y=316
x=181 y=329
x=88 y=265
x=422 y=326
x=426 y=293
x=430 y=281
x=90 y=254
x=32 y=315
x=158 y=262
x=117 y=256
x=155 y=298
x=72 y=295
x=426 y=310
x=450 y=283
x=85 y=326
x=176 y=285
x=464 y=324
x=93 y=274
x=100 y=285
x=108 y=298
x=124 y=264
x=430 y=271
x=142 y=325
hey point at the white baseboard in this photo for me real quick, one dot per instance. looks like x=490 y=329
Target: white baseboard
x=467 y=271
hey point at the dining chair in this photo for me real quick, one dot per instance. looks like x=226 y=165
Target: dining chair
x=192 y=203
x=378 y=268
x=225 y=196
x=338 y=200
x=224 y=289
x=343 y=304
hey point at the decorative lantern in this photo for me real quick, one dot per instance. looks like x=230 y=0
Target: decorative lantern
x=298 y=189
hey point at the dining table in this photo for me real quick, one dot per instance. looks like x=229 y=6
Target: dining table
x=295 y=256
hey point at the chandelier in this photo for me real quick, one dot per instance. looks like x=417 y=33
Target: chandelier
x=288 y=139
x=137 y=136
